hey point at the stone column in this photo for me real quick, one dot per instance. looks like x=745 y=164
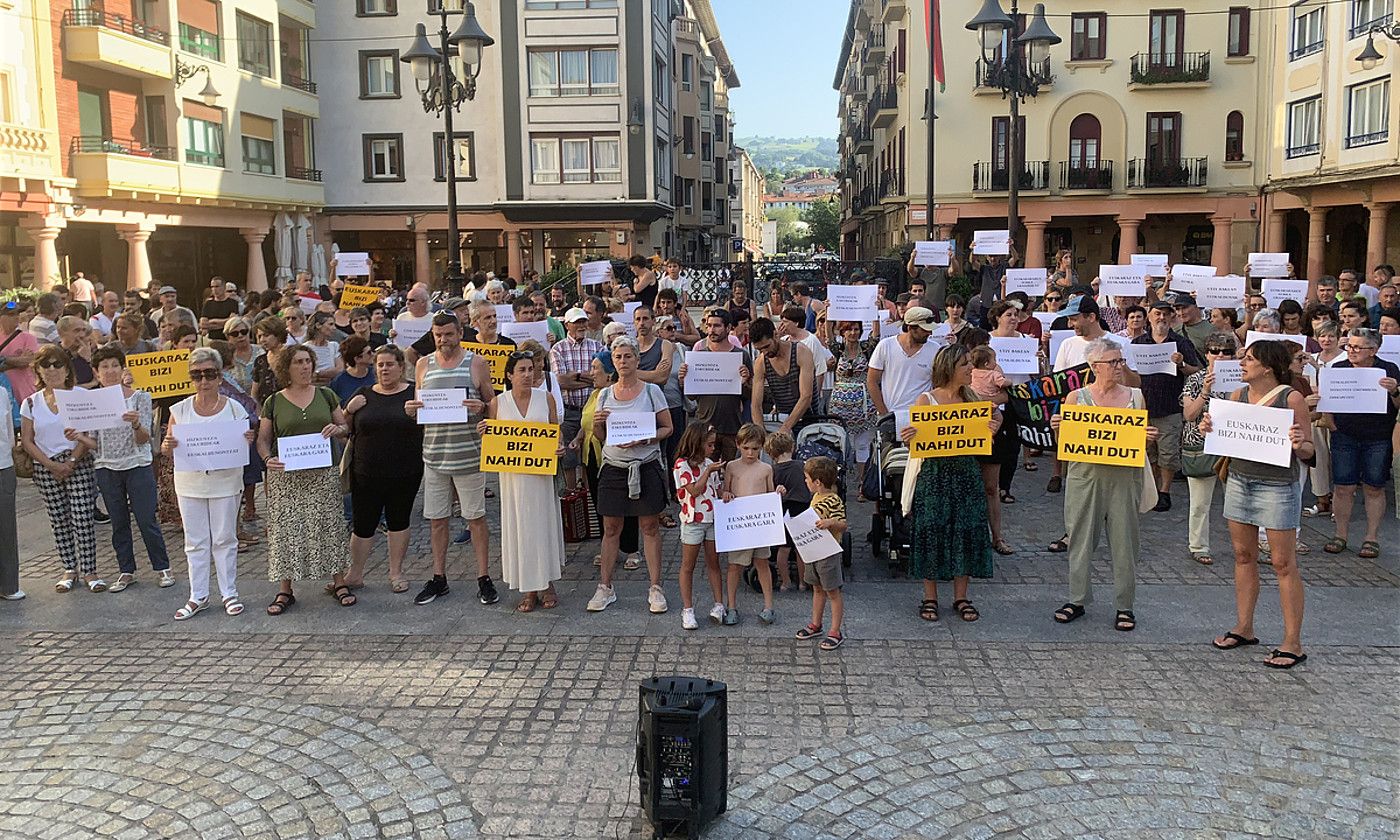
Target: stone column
x=1376 y=236
x=1274 y=234
x=138 y=262
x=1317 y=242
x=1220 y=243
x=422 y=260
x=257 y=269
x=44 y=230
x=1127 y=239
x=513 y=254
x=1035 y=244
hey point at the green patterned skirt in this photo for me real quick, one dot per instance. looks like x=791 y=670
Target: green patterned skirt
x=307 y=539
x=949 y=536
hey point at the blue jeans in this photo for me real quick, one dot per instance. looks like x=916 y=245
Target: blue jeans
x=130 y=492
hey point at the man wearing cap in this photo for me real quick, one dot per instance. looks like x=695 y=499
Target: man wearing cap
x=458 y=307
x=1162 y=393
x=901 y=368
x=571 y=359
x=217 y=309
x=1082 y=316
x=169 y=304
x=1193 y=326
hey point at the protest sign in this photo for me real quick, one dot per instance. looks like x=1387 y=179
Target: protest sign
x=217 y=445
x=851 y=303
x=1268 y=264
x=1122 y=281
x=991 y=242
x=505 y=314
x=1046 y=318
x=1390 y=349
x=1351 y=390
x=942 y=431
x=629 y=311
x=1017 y=355
x=1276 y=291
x=1028 y=280
x=812 y=543
x=308 y=303
x=593 y=273
x=1153 y=265
x=353 y=296
x=304 y=452
x=1093 y=434
x=1186 y=278
x=163 y=374
x=1229 y=377
x=1253 y=432
x=1057 y=337
x=630 y=427
x=707 y=372
x=1252 y=336
x=1221 y=292
x=408 y=329
x=932 y=253
x=517 y=447
x=497 y=355
x=1032 y=404
x=352 y=264
x=523 y=331
x=1153 y=358
x=749 y=522
x=89 y=410
x=442 y=406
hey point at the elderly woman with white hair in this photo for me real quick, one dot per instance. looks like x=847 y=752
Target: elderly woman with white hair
x=1103 y=497
x=1267 y=321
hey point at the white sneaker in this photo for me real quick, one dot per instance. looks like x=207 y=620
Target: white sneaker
x=656 y=600
x=688 y=619
x=602 y=597
x=717 y=613
x=17 y=595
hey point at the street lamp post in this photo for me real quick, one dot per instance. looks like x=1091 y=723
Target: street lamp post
x=1370 y=56
x=446 y=77
x=1017 y=76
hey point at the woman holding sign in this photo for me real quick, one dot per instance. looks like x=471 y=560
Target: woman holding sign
x=1199 y=467
x=1360 y=446
x=950 y=539
x=1267 y=496
x=532 y=535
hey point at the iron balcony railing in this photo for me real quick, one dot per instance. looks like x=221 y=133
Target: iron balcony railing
x=1174 y=68
x=1302 y=150
x=1361 y=28
x=117 y=23
x=884 y=97
x=996 y=177
x=1182 y=173
x=1300 y=50
x=301 y=173
x=891 y=183
x=1367 y=139
x=1076 y=175
x=295 y=81
x=97 y=144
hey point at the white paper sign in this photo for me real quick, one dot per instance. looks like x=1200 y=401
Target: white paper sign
x=1253 y=335
x=219 y=445
x=1351 y=390
x=1057 y=337
x=1277 y=291
x=443 y=405
x=1153 y=265
x=1188 y=278
x=1028 y=280
x=1017 y=355
x=629 y=311
x=89 y=410
x=1046 y=318
x=352 y=264
x=991 y=242
x=505 y=314
x=707 y=372
x=308 y=304
x=1390 y=349
x=1154 y=358
x=1248 y=431
x=1229 y=378
x=1268 y=264
x=932 y=253
x=523 y=331
x=408 y=329
x=851 y=303
x=631 y=426
x=1220 y=293
x=812 y=543
x=1125 y=344
x=901 y=421
x=304 y=452
x=1122 y=281
x=593 y=273
x=749 y=522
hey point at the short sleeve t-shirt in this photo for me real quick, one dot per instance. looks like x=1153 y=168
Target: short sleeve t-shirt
x=903 y=377
x=695 y=509
x=829 y=506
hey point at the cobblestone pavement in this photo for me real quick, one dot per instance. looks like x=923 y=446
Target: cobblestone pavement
x=458 y=720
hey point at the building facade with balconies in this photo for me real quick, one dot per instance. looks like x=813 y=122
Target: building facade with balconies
x=746 y=209
x=1149 y=134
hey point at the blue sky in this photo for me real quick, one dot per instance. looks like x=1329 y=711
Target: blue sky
x=785 y=54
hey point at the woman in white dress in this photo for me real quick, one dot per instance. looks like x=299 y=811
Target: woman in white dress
x=532 y=535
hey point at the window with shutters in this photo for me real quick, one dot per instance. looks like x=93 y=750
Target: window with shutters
x=204 y=134
x=1237 y=42
x=259 y=149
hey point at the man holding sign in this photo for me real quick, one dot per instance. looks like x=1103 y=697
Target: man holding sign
x=1162 y=391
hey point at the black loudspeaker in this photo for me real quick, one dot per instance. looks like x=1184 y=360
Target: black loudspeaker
x=682 y=752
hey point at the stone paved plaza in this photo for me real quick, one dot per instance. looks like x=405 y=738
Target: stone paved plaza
x=459 y=720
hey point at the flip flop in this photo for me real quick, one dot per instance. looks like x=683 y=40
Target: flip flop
x=1237 y=641
x=1293 y=659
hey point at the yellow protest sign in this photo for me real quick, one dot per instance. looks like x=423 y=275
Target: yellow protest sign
x=1094 y=434
x=510 y=446
x=353 y=296
x=942 y=431
x=164 y=374
x=496 y=354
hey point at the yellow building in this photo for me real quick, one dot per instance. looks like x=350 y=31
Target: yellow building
x=745 y=206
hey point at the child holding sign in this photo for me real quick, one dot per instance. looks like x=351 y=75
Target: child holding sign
x=748 y=477
x=824 y=575
x=697 y=484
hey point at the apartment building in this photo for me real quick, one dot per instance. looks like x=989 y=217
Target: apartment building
x=746 y=213
x=186 y=131
x=1149 y=134
x=1334 y=143
x=572 y=146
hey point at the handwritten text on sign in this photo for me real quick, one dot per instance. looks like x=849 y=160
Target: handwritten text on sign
x=749 y=522
x=353 y=296
x=516 y=447
x=165 y=374
x=1094 y=434
x=497 y=355
x=942 y=431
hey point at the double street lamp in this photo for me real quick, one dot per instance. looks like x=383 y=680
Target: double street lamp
x=445 y=76
x=1017 y=74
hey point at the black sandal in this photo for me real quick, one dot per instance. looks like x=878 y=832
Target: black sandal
x=344 y=596
x=1124 y=621
x=1007 y=498
x=1233 y=640
x=280 y=603
x=1068 y=613
x=1293 y=659
x=1059 y=546
x=928 y=610
x=965 y=610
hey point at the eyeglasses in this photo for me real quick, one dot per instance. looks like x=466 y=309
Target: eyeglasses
x=1357 y=348
x=236 y=333
x=1111 y=362
x=207 y=375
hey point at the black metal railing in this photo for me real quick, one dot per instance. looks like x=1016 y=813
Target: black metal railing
x=301 y=173
x=1181 y=173
x=117 y=23
x=97 y=144
x=1076 y=175
x=1358 y=29
x=1367 y=139
x=1300 y=50
x=993 y=74
x=891 y=183
x=1150 y=69
x=989 y=177
x=1302 y=150
x=885 y=97
x=295 y=81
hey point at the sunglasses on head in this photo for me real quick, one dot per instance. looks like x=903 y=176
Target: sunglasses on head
x=209 y=375
x=523 y=354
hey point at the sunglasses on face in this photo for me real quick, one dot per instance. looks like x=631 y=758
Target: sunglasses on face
x=1219 y=351
x=1054 y=298
x=207 y=375
x=236 y=333
x=52 y=363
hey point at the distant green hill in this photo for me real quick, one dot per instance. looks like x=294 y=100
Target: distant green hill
x=787 y=153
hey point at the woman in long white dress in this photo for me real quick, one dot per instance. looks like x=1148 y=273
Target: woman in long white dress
x=532 y=535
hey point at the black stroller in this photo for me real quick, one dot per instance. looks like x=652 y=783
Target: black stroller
x=884 y=478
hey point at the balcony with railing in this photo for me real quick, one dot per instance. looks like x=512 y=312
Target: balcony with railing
x=1177 y=69
x=991 y=75
x=1086 y=175
x=988 y=176
x=891 y=11
x=301 y=173
x=292 y=80
x=890 y=184
x=1359 y=28
x=1369 y=138
x=104 y=165
x=1181 y=173
x=116 y=43
x=884 y=105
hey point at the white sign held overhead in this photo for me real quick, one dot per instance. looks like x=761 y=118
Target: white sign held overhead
x=1028 y=280
x=991 y=242
x=708 y=372
x=749 y=522
x=812 y=543
x=352 y=264
x=1187 y=278
x=935 y=253
x=1122 y=281
x=1017 y=355
x=1276 y=291
x=593 y=273
x=1268 y=264
x=1220 y=293
x=1153 y=265
x=851 y=303
x=1351 y=390
x=1252 y=432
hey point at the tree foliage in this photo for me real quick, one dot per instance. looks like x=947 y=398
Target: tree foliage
x=824 y=224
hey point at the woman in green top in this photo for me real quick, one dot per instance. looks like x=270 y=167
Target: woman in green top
x=306 y=531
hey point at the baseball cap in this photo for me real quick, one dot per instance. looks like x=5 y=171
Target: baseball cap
x=918 y=316
x=574 y=315
x=1082 y=305
x=1183 y=299
x=1161 y=304
x=168 y=290
x=452 y=303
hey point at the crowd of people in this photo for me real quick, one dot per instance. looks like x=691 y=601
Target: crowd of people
x=295 y=362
